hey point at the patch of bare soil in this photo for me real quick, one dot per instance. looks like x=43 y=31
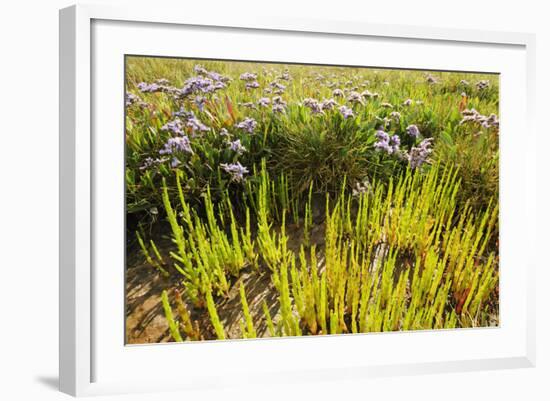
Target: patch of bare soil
x=145 y=319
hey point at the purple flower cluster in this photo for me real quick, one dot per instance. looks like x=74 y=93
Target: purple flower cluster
x=248 y=125
x=200 y=84
x=174 y=126
x=160 y=85
x=186 y=115
x=387 y=144
x=131 y=99
x=149 y=88
x=314 y=105
x=396 y=116
x=483 y=84
x=150 y=162
x=407 y=102
x=264 y=101
x=236 y=146
x=413 y=131
x=277 y=87
x=473 y=116
x=285 y=76
x=248 y=76
x=346 y=112
x=355 y=97
x=279 y=105
x=190 y=120
x=196 y=125
x=236 y=170
x=418 y=155
x=328 y=104
x=178 y=144
x=252 y=85
x=338 y=93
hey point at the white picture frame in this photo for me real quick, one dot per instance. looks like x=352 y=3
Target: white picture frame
x=92 y=361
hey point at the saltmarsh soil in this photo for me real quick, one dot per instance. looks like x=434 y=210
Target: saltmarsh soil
x=283 y=200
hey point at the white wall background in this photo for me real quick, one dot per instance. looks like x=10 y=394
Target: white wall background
x=29 y=199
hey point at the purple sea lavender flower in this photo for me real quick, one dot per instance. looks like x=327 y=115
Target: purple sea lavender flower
x=248 y=76
x=492 y=121
x=248 y=125
x=224 y=133
x=383 y=146
x=196 y=125
x=252 y=85
x=328 y=104
x=346 y=112
x=279 y=100
x=150 y=162
x=313 y=104
x=277 y=85
x=184 y=114
x=355 y=97
x=148 y=88
x=407 y=102
x=236 y=170
x=413 y=130
x=179 y=144
x=131 y=99
x=395 y=142
x=278 y=108
x=483 y=84
x=418 y=155
x=236 y=146
x=385 y=143
x=174 y=126
x=395 y=115
x=264 y=101
x=338 y=93
x=285 y=76
x=382 y=136
x=217 y=77
x=279 y=104
x=472 y=115
x=197 y=84
x=387 y=105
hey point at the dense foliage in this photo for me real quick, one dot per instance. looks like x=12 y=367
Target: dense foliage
x=368 y=198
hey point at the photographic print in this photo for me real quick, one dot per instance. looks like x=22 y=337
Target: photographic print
x=272 y=200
